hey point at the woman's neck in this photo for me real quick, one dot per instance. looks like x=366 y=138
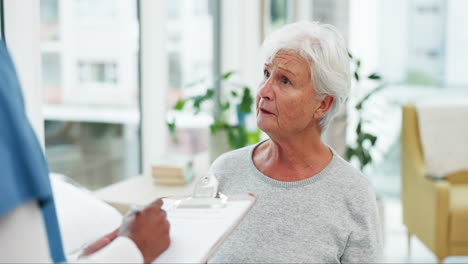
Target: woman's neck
x=292 y=158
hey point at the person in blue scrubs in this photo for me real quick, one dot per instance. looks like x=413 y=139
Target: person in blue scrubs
x=29 y=228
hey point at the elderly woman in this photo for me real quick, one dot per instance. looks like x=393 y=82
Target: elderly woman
x=312 y=206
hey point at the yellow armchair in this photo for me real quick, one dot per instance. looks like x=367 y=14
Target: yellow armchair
x=435 y=211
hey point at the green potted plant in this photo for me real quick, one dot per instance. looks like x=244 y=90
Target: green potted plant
x=237 y=99
x=361 y=148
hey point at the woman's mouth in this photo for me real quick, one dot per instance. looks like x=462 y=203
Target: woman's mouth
x=265 y=112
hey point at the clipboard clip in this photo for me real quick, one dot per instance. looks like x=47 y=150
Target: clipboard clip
x=205 y=194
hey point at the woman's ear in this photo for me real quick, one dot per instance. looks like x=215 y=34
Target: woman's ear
x=324 y=106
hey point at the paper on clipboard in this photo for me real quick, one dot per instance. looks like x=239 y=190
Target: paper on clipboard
x=197 y=232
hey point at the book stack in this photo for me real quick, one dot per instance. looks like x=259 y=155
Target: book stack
x=175 y=171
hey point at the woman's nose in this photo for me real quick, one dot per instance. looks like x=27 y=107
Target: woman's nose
x=266 y=90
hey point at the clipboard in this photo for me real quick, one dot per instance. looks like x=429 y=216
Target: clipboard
x=197 y=232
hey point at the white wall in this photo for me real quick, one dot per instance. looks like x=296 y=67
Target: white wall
x=364 y=32
x=457 y=43
x=22 y=20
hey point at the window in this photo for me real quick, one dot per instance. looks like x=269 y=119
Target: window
x=334 y=12
x=97 y=72
x=190 y=59
x=49 y=20
x=51 y=76
x=90 y=10
x=91 y=89
x=426 y=42
x=278 y=13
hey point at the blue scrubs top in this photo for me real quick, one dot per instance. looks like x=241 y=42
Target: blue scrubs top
x=24 y=175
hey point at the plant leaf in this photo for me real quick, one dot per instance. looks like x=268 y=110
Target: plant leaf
x=226 y=75
x=172 y=130
x=359 y=127
x=213 y=128
x=217 y=125
x=253 y=136
x=246 y=101
x=237 y=137
x=350 y=152
x=374 y=76
x=209 y=93
x=225 y=106
x=359 y=106
x=171 y=126
x=199 y=99
x=370 y=137
x=367 y=159
x=356 y=76
x=179 y=105
x=234 y=93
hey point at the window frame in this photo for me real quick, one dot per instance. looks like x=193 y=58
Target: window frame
x=154 y=81
x=2 y=22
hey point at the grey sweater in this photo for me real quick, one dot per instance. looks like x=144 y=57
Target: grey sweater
x=331 y=217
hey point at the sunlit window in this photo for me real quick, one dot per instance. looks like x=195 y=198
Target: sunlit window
x=426 y=42
x=190 y=55
x=52 y=76
x=97 y=72
x=278 y=13
x=90 y=10
x=334 y=12
x=90 y=89
x=50 y=20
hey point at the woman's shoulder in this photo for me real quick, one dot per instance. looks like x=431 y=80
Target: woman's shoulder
x=352 y=179
x=234 y=158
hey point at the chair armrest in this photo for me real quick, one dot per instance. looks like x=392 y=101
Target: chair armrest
x=426 y=205
x=459 y=177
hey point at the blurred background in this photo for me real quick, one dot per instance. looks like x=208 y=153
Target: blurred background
x=101 y=97
x=91 y=70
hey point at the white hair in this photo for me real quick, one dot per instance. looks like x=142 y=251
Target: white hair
x=325 y=50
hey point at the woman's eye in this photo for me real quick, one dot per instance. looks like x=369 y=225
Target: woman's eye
x=266 y=73
x=286 y=80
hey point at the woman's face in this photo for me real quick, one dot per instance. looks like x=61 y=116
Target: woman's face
x=286 y=100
